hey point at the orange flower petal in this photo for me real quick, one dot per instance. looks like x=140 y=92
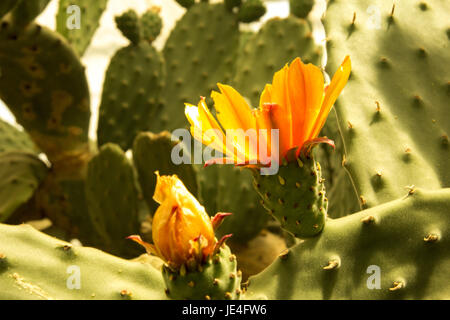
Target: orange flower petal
x=314 y=84
x=338 y=83
x=233 y=111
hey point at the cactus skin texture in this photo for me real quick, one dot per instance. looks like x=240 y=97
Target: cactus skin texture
x=295 y=197
x=393 y=113
x=91 y=12
x=292 y=37
x=406 y=238
x=28 y=257
x=112 y=199
x=44 y=85
x=217 y=280
x=151 y=153
x=199 y=52
x=131 y=96
x=21 y=174
x=12 y=139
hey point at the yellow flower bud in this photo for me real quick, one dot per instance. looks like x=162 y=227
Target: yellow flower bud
x=182 y=230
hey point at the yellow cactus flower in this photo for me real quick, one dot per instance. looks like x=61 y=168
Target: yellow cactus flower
x=182 y=231
x=296 y=103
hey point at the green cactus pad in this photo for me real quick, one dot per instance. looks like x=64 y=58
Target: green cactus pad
x=20 y=175
x=405 y=240
x=35 y=266
x=13 y=139
x=44 y=85
x=112 y=199
x=90 y=14
x=128 y=24
x=225 y=188
x=152 y=152
x=199 y=52
x=301 y=8
x=295 y=196
x=131 y=96
x=393 y=113
x=151 y=25
x=251 y=10
x=218 y=279
x=278 y=42
x=26 y=11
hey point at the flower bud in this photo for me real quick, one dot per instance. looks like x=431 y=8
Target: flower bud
x=182 y=230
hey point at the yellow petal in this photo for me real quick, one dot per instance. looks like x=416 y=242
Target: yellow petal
x=337 y=84
x=281 y=115
x=233 y=111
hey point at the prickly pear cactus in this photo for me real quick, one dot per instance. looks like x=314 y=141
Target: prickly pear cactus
x=395 y=105
x=35 y=266
x=44 y=85
x=397 y=250
x=112 y=199
x=131 y=97
x=87 y=14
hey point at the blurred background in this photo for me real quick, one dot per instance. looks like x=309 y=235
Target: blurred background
x=108 y=39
